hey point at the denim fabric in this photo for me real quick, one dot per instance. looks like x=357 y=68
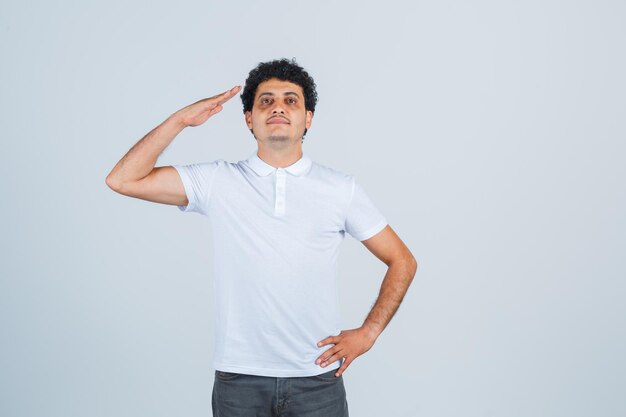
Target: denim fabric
x=242 y=395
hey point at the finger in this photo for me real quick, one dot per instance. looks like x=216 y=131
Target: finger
x=343 y=367
x=219 y=98
x=215 y=110
x=227 y=95
x=326 y=355
x=332 y=359
x=323 y=342
x=230 y=91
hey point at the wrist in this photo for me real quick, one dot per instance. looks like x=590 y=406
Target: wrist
x=371 y=331
x=176 y=121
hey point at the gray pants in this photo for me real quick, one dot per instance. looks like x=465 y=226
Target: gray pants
x=242 y=395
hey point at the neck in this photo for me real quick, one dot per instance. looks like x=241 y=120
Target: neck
x=280 y=158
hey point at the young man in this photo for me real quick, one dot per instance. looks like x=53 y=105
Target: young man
x=278 y=219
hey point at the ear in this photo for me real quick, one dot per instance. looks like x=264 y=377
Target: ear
x=309 y=119
x=249 y=119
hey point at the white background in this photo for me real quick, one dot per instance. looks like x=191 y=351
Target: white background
x=489 y=133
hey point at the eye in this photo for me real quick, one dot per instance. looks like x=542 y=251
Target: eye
x=266 y=100
x=291 y=100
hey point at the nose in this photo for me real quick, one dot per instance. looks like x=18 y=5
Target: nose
x=278 y=108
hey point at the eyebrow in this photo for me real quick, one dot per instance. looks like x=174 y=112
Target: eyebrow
x=288 y=93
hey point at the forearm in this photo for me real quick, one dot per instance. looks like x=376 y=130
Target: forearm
x=142 y=157
x=395 y=285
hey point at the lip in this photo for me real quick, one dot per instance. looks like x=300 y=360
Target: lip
x=277 y=120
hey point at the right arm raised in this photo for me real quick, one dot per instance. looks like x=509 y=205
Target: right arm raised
x=135 y=174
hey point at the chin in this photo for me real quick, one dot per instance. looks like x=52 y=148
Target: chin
x=278 y=138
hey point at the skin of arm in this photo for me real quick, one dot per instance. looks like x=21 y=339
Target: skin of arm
x=141 y=158
x=139 y=161
x=402 y=266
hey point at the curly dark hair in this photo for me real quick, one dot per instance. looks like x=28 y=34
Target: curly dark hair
x=284 y=70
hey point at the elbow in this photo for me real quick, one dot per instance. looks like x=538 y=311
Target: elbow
x=407 y=263
x=110 y=182
x=412 y=265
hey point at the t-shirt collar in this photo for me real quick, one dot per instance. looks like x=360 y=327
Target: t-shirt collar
x=262 y=168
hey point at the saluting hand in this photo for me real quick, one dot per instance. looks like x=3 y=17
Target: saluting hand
x=349 y=344
x=199 y=112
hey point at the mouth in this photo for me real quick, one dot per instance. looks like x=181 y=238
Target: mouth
x=277 y=120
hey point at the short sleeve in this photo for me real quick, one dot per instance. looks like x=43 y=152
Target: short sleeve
x=198 y=181
x=363 y=219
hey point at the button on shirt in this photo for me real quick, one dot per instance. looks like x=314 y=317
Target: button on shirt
x=276 y=236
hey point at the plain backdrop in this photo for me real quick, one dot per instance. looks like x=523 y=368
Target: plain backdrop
x=490 y=134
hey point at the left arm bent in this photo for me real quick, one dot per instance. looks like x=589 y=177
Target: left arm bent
x=349 y=344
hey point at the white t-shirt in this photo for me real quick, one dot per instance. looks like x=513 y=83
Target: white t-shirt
x=276 y=236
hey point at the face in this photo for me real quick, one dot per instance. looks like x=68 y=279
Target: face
x=278 y=117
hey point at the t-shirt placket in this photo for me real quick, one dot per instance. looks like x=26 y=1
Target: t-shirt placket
x=280 y=182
